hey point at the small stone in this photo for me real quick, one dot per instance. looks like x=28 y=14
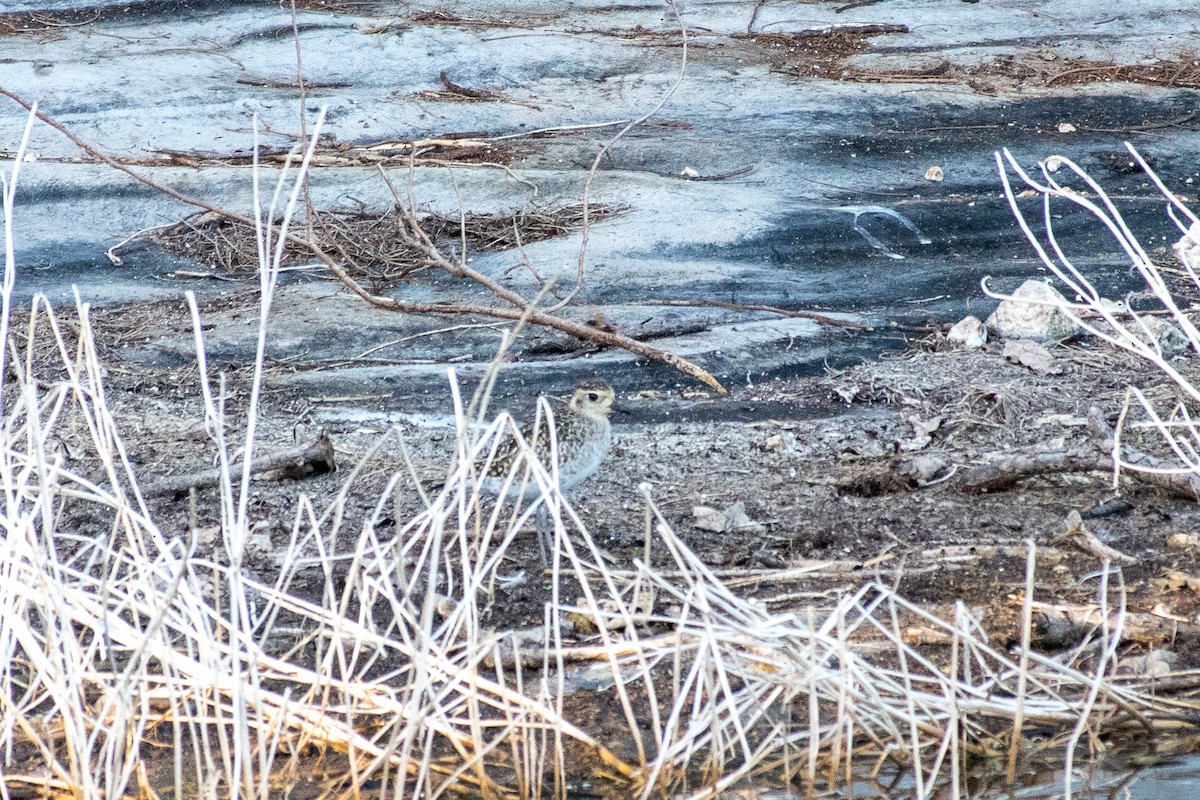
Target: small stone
x=1165 y=335
x=847 y=392
x=1183 y=541
x=935 y=174
x=969 y=333
x=707 y=518
x=1187 y=249
x=1154 y=664
x=775 y=444
x=733 y=518
x=1066 y=127
x=1035 y=311
x=925 y=468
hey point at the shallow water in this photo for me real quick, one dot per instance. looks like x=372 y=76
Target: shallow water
x=1117 y=778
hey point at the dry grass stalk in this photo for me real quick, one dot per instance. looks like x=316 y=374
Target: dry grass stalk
x=400 y=676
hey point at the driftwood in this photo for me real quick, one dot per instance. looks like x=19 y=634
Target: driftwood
x=1004 y=472
x=1097 y=457
x=517 y=309
x=299 y=462
x=1067 y=625
x=1082 y=537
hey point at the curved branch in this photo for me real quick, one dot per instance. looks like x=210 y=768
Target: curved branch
x=535 y=317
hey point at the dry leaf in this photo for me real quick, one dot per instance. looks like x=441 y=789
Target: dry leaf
x=1029 y=353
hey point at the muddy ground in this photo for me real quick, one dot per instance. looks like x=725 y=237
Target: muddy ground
x=821 y=464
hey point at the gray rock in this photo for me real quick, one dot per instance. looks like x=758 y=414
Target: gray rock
x=968 y=332
x=1169 y=339
x=925 y=469
x=1033 y=312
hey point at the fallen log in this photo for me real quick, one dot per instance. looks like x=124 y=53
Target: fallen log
x=294 y=464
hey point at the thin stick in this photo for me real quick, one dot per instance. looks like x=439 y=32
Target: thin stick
x=591 y=175
x=783 y=312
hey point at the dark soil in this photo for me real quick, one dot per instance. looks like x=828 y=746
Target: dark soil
x=819 y=464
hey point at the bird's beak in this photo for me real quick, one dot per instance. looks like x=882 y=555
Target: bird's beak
x=621 y=409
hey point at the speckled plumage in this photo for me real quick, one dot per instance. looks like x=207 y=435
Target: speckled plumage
x=584 y=438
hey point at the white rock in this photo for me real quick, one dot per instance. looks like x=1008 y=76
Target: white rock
x=707 y=518
x=1033 y=312
x=924 y=469
x=968 y=332
x=733 y=518
x=1154 y=664
x=1187 y=249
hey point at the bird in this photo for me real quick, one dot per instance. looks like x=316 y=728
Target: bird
x=583 y=439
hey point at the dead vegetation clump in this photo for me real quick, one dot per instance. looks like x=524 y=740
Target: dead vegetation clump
x=15 y=23
x=1043 y=69
x=999 y=392
x=372 y=244
x=469 y=147
x=444 y=16
x=339 y=6
x=813 y=54
x=822 y=54
x=1177 y=73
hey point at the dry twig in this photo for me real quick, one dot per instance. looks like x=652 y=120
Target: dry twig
x=820 y=319
x=1082 y=537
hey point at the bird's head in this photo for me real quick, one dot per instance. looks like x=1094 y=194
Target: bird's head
x=594 y=398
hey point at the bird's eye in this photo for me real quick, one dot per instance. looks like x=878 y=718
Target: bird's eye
x=593 y=396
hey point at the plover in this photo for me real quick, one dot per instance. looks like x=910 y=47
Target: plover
x=583 y=437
